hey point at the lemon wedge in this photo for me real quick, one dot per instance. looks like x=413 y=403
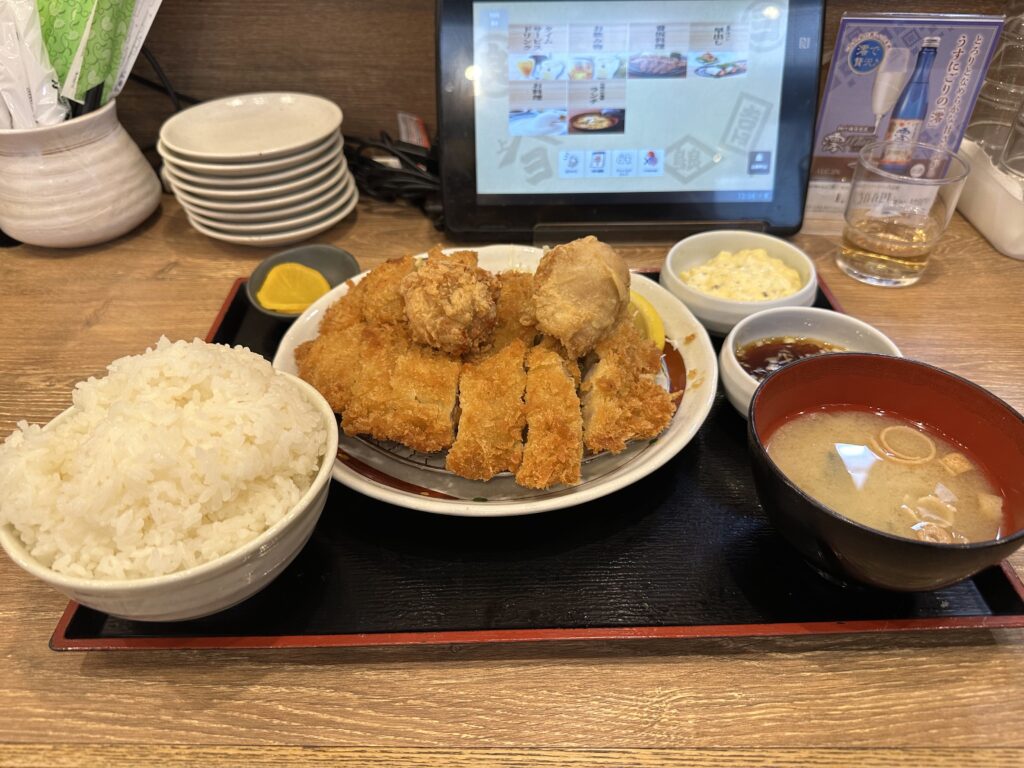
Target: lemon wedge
x=290 y=287
x=646 y=318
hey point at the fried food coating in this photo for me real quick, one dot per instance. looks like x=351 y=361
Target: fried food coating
x=622 y=401
x=331 y=361
x=400 y=390
x=490 y=434
x=515 y=315
x=554 y=439
x=450 y=305
x=344 y=313
x=379 y=293
x=580 y=291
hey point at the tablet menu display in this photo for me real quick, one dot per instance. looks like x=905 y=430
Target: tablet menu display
x=678 y=96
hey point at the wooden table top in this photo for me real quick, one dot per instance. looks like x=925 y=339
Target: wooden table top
x=940 y=698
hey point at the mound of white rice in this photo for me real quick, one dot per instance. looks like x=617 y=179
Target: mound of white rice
x=176 y=457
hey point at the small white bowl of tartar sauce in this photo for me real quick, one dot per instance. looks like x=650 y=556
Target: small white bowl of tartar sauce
x=725 y=275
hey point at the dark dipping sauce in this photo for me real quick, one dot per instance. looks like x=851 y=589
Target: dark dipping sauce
x=761 y=357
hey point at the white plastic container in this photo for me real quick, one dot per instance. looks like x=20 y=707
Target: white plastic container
x=993 y=201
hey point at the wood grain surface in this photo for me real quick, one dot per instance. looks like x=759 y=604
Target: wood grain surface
x=932 y=698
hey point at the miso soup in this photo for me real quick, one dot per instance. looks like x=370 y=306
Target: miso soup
x=888 y=473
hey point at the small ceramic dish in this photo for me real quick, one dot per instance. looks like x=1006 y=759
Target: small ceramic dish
x=234 y=194
x=273 y=202
x=299 y=170
x=251 y=127
x=284 y=237
x=335 y=264
x=282 y=224
x=249 y=169
x=273 y=214
x=720 y=315
x=835 y=328
x=848 y=551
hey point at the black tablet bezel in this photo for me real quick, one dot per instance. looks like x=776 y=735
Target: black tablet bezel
x=467 y=217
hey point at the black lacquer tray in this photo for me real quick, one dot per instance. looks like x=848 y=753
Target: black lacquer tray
x=685 y=552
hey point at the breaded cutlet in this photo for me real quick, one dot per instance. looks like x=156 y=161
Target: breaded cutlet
x=554 y=440
x=344 y=313
x=401 y=391
x=330 y=363
x=622 y=401
x=378 y=293
x=490 y=432
x=514 y=309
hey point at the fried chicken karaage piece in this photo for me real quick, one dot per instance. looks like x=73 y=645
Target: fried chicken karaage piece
x=450 y=305
x=469 y=258
x=379 y=295
x=554 y=440
x=622 y=401
x=490 y=435
x=580 y=291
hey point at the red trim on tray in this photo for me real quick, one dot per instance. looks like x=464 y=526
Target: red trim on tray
x=224 y=309
x=61 y=643
x=823 y=287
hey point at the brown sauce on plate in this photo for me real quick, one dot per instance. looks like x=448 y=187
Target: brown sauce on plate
x=764 y=356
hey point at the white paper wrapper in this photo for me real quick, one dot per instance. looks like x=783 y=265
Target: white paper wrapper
x=142 y=20
x=31 y=76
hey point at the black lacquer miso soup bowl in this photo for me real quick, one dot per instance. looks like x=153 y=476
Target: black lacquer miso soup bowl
x=990 y=431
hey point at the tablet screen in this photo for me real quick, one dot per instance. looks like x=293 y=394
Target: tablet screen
x=674 y=96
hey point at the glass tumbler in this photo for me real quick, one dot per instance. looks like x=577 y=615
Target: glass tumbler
x=901 y=200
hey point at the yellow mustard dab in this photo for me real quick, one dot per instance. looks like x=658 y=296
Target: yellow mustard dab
x=746 y=275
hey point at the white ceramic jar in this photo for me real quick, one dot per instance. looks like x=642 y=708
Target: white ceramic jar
x=77 y=183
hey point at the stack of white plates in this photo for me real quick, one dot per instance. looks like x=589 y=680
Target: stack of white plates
x=259 y=169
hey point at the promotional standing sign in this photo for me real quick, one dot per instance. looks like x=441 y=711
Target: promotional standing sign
x=895 y=77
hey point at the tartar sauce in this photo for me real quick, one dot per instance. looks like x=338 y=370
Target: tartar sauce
x=747 y=275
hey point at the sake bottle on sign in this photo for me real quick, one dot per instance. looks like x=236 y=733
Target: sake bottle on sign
x=909 y=112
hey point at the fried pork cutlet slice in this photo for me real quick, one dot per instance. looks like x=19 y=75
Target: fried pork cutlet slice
x=490 y=434
x=344 y=313
x=424 y=392
x=401 y=391
x=554 y=441
x=378 y=293
x=622 y=401
x=330 y=363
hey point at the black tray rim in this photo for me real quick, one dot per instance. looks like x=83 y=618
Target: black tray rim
x=59 y=641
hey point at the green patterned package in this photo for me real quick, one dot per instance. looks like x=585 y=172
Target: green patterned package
x=64 y=23
x=96 y=58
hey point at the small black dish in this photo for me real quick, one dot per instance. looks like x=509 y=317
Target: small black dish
x=848 y=551
x=335 y=264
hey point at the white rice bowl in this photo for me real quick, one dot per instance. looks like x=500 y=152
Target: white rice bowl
x=175 y=458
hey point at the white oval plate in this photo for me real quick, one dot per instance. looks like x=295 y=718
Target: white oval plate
x=601 y=474
x=248 y=169
x=218 y=218
x=263 y=204
x=286 y=237
x=257 y=179
x=284 y=224
x=251 y=127
x=238 y=194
